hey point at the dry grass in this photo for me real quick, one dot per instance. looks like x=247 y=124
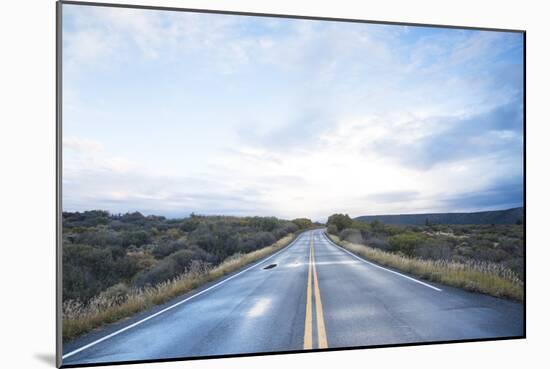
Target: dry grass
x=488 y=278
x=79 y=318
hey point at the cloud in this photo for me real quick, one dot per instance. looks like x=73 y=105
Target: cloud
x=87 y=46
x=82 y=146
x=502 y=194
x=111 y=37
x=94 y=178
x=392 y=196
x=120 y=191
x=300 y=130
x=448 y=139
x=262 y=116
x=81 y=155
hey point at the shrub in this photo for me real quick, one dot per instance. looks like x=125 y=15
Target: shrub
x=263 y=239
x=167 y=247
x=118 y=291
x=341 y=221
x=98 y=236
x=332 y=229
x=171 y=266
x=351 y=235
x=266 y=224
x=162 y=271
x=189 y=224
x=303 y=223
x=137 y=238
x=405 y=243
x=86 y=270
x=501 y=244
x=484 y=277
x=80 y=317
x=433 y=249
x=378 y=243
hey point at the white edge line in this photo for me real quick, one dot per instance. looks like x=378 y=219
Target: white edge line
x=174 y=305
x=378 y=266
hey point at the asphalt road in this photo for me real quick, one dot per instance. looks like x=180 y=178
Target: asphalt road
x=317 y=296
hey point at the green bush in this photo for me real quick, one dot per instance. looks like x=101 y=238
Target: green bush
x=501 y=244
x=332 y=229
x=341 y=221
x=303 y=223
x=168 y=247
x=86 y=271
x=102 y=250
x=477 y=276
x=351 y=235
x=405 y=243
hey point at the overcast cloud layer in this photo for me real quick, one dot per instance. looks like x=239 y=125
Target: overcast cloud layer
x=170 y=113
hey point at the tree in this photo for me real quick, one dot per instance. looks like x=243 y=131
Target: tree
x=341 y=221
x=303 y=223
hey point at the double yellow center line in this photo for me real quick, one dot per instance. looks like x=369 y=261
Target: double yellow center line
x=313 y=288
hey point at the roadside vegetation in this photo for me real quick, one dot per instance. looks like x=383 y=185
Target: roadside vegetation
x=479 y=258
x=117 y=265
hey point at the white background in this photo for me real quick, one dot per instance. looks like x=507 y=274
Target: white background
x=27 y=186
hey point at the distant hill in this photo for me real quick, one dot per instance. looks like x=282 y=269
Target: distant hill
x=510 y=216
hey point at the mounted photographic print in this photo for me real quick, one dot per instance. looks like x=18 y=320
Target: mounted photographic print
x=245 y=184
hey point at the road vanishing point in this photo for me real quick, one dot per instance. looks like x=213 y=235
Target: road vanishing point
x=312 y=294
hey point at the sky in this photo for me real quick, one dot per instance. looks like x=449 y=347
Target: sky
x=169 y=113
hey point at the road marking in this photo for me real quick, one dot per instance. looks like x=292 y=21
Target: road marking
x=380 y=267
x=313 y=284
x=321 y=333
x=308 y=332
x=298 y=264
x=174 y=305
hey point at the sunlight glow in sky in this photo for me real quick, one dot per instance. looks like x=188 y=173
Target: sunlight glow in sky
x=170 y=113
